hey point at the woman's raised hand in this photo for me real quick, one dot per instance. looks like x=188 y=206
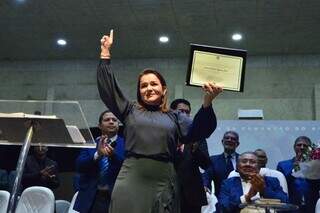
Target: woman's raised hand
x=106 y=43
x=211 y=91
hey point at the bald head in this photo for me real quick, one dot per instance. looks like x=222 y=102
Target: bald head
x=262 y=158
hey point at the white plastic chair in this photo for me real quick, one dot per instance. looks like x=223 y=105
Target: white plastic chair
x=3 y=179
x=36 y=199
x=4 y=201
x=212 y=200
x=317 y=210
x=62 y=206
x=278 y=175
x=72 y=203
x=233 y=173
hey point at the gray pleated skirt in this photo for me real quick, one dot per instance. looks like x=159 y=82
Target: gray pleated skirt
x=145 y=186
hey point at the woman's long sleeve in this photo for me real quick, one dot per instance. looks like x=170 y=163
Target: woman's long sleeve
x=202 y=126
x=110 y=91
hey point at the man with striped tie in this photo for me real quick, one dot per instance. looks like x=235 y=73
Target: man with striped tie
x=99 y=167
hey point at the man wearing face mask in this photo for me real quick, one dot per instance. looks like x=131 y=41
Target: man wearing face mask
x=302 y=192
x=99 y=167
x=249 y=187
x=189 y=158
x=40 y=170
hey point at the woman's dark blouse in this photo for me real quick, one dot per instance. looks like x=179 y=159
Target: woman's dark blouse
x=151 y=132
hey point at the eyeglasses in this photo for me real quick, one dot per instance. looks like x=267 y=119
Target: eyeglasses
x=301 y=145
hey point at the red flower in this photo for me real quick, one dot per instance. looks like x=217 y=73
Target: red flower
x=315 y=154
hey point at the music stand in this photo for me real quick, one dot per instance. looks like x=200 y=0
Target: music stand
x=57 y=124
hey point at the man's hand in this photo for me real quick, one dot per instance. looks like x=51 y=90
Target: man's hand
x=194 y=147
x=206 y=189
x=211 y=90
x=106 y=43
x=104 y=149
x=257 y=185
x=47 y=172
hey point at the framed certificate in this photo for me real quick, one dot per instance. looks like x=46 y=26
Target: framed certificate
x=216 y=64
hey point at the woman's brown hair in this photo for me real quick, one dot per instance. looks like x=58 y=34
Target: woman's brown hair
x=164 y=103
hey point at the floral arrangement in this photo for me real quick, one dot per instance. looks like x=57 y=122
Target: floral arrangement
x=309 y=163
x=315 y=153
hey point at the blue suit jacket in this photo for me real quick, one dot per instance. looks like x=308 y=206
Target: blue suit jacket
x=216 y=172
x=231 y=191
x=299 y=187
x=88 y=169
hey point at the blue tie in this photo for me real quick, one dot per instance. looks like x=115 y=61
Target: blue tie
x=104 y=166
x=229 y=166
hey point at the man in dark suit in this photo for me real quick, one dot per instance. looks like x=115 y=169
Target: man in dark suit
x=40 y=170
x=302 y=192
x=249 y=187
x=99 y=167
x=189 y=158
x=221 y=165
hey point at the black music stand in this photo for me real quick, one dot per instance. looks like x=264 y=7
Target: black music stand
x=48 y=130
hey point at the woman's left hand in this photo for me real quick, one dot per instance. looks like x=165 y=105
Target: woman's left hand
x=211 y=90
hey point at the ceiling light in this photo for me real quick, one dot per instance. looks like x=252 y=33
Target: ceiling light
x=61 y=42
x=163 y=39
x=236 y=37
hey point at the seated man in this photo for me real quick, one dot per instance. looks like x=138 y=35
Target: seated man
x=99 y=167
x=262 y=162
x=249 y=186
x=40 y=170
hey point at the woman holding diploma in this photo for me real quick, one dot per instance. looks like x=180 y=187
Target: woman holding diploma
x=147 y=181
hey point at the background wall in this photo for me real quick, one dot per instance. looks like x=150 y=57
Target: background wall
x=284 y=87
x=275 y=137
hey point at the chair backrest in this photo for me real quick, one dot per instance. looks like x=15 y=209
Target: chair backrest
x=233 y=173
x=317 y=210
x=62 y=206
x=72 y=203
x=4 y=201
x=36 y=199
x=212 y=201
x=3 y=179
x=278 y=175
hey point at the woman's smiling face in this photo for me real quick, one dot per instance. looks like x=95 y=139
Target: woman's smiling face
x=151 y=90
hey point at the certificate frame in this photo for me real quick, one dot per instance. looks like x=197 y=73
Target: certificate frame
x=217 y=64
